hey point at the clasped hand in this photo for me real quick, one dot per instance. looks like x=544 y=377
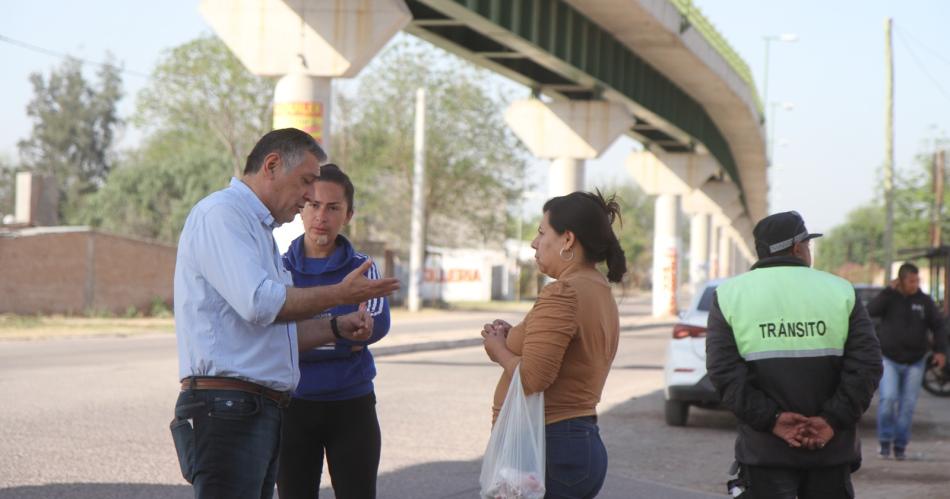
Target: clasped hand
x=356 y=326
x=799 y=431
x=494 y=335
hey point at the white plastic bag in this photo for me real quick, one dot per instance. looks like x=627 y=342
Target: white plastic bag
x=513 y=466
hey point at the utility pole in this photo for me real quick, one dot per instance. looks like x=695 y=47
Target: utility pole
x=888 y=151
x=938 y=172
x=417 y=248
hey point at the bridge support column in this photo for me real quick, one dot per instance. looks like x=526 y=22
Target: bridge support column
x=565 y=176
x=567 y=132
x=725 y=253
x=308 y=44
x=670 y=177
x=666 y=251
x=699 y=249
x=714 y=235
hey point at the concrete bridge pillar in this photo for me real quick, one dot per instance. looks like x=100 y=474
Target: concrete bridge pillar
x=567 y=132
x=725 y=253
x=672 y=178
x=699 y=224
x=666 y=254
x=308 y=44
x=715 y=234
x=565 y=176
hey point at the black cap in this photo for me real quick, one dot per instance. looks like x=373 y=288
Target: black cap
x=779 y=232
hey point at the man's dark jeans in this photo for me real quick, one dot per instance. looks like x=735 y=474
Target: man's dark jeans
x=227 y=443
x=788 y=483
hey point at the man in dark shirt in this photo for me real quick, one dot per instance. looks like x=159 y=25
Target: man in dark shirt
x=906 y=315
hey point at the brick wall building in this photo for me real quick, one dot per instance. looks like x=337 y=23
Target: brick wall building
x=77 y=270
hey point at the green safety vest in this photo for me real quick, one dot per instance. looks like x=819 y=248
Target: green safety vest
x=787 y=312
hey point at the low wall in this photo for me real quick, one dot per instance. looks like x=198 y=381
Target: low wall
x=76 y=270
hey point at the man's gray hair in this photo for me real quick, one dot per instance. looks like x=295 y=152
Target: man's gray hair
x=290 y=143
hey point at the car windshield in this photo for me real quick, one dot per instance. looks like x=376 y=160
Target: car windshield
x=705 y=302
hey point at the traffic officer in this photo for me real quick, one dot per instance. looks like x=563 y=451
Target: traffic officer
x=793 y=354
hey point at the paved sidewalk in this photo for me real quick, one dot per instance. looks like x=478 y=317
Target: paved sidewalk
x=443 y=329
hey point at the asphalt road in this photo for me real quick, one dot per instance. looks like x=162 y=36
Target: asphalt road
x=88 y=418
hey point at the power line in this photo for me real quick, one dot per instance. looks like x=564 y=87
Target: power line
x=61 y=55
x=170 y=79
x=922 y=67
x=930 y=49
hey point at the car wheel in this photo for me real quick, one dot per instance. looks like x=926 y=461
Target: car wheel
x=676 y=412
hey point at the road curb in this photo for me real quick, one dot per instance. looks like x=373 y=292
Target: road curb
x=428 y=346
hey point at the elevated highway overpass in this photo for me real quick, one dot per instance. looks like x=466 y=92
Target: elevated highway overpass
x=655 y=70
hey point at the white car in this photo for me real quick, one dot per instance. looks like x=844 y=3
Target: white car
x=684 y=374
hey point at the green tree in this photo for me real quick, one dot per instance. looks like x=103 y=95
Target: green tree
x=7 y=186
x=636 y=232
x=202 y=112
x=859 y=240
x=74 y=124
x=151 y=194
x=201 y=87
x=854 y=248
x=473 y=161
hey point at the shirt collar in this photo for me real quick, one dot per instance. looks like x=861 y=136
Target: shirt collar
x=779 y=261
x=254 y=202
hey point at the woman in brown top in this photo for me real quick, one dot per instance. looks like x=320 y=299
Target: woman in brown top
x=568 y=340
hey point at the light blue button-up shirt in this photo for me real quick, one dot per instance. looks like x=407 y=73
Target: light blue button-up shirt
x=229 y=286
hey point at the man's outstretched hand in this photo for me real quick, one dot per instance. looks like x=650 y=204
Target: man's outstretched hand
x=357 y=288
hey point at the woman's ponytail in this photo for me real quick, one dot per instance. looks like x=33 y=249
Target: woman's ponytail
x=591 y=217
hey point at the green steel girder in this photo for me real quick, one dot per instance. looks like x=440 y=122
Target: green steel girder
x=547 y=43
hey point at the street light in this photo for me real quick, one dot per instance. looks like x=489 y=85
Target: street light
x=770 y=146
x=785 y=38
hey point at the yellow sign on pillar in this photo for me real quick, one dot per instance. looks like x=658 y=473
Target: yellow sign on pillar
x=306 y=116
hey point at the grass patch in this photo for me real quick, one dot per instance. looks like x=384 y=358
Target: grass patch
x=11 y=321
x=38 y=326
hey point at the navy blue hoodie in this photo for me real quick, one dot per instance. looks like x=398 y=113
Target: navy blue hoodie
x=334 y=372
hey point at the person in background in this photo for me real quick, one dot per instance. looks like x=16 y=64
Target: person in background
x=567 y=342
x=333 y=409
x=906 y=315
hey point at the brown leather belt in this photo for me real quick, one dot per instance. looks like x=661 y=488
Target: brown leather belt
x=216 y=383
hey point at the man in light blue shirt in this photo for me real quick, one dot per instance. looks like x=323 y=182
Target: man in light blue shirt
x=240 y=323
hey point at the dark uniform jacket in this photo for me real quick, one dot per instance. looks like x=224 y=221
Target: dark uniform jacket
x=905 y=321
x=838 y=388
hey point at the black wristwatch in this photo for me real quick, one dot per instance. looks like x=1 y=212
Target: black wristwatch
x=335 y=328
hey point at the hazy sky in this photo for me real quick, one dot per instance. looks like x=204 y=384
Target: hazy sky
x=834 y=76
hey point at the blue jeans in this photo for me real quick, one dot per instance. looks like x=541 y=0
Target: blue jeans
x=898 y=397
x=576 y=459
x=227 y=443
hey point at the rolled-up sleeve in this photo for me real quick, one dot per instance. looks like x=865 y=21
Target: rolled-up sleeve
x=548 y=331
x=228 y=260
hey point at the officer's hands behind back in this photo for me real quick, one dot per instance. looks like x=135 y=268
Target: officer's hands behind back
x=799 y=431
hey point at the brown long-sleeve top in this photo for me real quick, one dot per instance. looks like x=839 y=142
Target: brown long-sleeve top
x=566 y=343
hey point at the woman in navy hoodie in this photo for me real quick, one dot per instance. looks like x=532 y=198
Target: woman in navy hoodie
x=334 y=407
